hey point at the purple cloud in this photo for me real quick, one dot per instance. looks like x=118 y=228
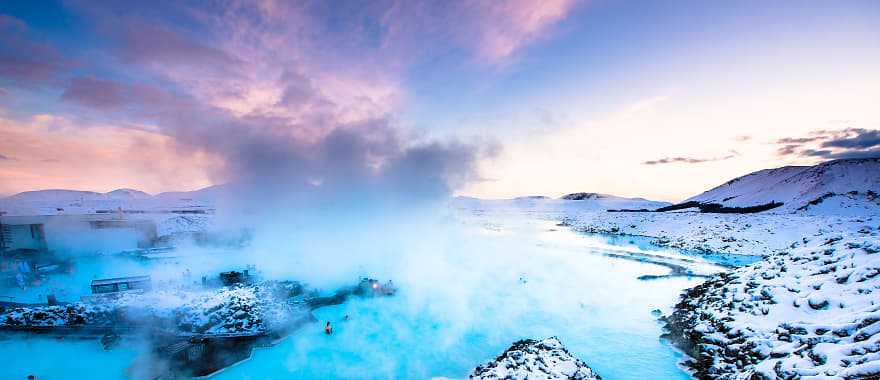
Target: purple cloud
x=111 y=95
x=25 y=62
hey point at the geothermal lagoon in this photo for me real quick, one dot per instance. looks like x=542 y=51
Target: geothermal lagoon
x=456 y=306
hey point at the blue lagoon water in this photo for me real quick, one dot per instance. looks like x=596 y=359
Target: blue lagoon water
x=452 y=313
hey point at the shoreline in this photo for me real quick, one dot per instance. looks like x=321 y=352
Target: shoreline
x=709 y=318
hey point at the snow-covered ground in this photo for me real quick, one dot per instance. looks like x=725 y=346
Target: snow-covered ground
x=748 y=234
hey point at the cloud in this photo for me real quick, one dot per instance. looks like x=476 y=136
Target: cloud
x=24 y=61
x=112 y=95
x=832 y=144
x=799 y=140
x=256 y=87
x=287 y=126
x=4 y=158
x=855 y=139
x=54 y=152
x=491 y=31
x=156 y=43
x=743 y=138
x=689 y=160
x=509 y=25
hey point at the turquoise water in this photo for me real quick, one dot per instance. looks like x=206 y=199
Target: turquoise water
x=545 y=285
x=459 y=306
x=52 y=359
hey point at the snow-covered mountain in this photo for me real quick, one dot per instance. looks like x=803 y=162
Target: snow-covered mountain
x=60 y=201
x=840 y=186
x=570 y=202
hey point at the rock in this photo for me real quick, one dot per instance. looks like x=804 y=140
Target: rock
x=532 y=359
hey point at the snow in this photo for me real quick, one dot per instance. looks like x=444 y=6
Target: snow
x=534 y=360
x=554 y=207
x=238 y=309
x=797 y=186
x=75 y=202
x=809 y=310
x=746 y=234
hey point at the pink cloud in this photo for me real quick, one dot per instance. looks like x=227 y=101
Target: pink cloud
x=53 y=152
x=506 y=26
x=492 y=30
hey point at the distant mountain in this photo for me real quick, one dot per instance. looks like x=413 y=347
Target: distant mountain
x=127 y=194
x=840 y=186
x=60 y=201
x=574 y=201
x=56 y=195
x=597 y=196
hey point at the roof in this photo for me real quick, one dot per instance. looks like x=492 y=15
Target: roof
x=120 y=279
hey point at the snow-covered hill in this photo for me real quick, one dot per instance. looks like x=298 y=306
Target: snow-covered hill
x=569 y=203
x=76 y=202
x=833 y=187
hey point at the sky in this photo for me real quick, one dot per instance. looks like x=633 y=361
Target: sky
x=493 y=99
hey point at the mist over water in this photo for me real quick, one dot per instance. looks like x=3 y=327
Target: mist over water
x=463 y=302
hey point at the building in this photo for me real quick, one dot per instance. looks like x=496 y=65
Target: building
x=121 y=284
x=25 y=238
x=33 y=234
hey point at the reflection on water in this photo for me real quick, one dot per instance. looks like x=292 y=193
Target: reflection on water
x=452 y=313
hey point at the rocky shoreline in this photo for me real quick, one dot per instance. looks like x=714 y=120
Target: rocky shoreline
x=810 y=311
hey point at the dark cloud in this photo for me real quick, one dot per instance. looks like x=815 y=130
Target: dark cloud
x=833 y=144
x=855 y=139
x=3 y=158
x=689 y=160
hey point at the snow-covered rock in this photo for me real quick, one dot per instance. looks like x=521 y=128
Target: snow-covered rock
x=843 y=184
x=811 y=311
x=239 y=309
x=533 y=360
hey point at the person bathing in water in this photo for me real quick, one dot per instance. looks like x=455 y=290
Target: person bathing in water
x=328 y=329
